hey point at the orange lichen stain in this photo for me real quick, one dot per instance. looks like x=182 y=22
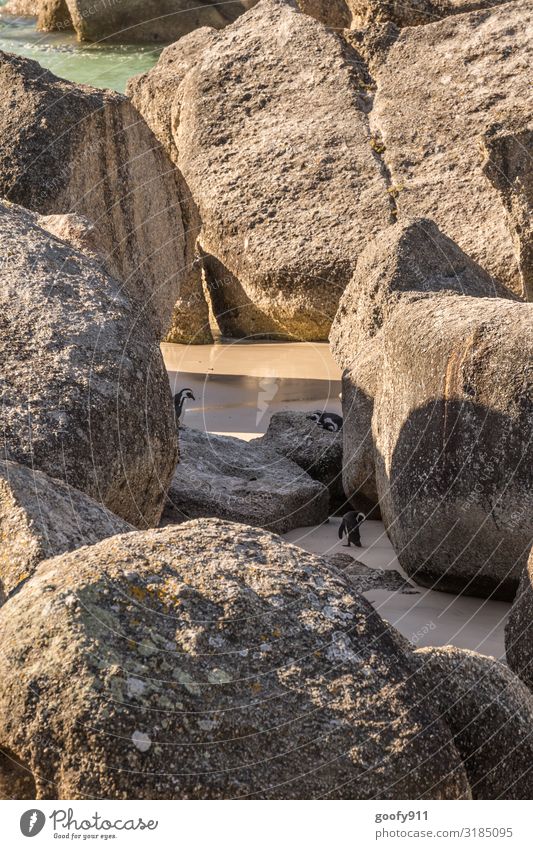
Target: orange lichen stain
x=257 y=687
x=166 y=594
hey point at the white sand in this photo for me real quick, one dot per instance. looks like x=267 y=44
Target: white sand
x=238 y=386
x=428 y=618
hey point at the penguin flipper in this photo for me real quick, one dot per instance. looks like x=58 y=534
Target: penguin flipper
x=341 y=529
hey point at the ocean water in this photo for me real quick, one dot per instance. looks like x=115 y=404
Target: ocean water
x=95 y=64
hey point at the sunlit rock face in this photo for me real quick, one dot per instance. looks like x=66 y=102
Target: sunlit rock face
x=85 y=394
x=72 y=149
x=41 y=517
x=127 y=21
x=268 y=123
x=438 y=408
x=458 y=148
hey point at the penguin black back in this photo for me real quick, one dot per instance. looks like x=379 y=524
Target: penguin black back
x=350 y=527
x=179 y=401
x=327 y=421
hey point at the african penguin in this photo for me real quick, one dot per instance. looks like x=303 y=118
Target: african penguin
x=179 y=401
x=350 y=525
x=327 y=421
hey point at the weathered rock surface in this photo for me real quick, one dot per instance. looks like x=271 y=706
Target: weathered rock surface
x=54 y=15
x=156 y=22
x=490 y=713
x=79 y=232
x=413 y=13
x=84 y=393
x=407 y=258
x=21 y=8
x=508 y=167
x=228 y=478
x=333 y=13
x=66 y=148
x=437 y=138
x=455 y=459
x=442 y=407
x=41 y=517
x=272 y=135
x=153 y=94
x=139 y=20
x=211 y=661
x=317 y=451
x=410 y=260
x=189 y=323
x=519 y=629
x=363 y=579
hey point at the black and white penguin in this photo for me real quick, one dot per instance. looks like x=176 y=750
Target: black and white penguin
x=350 y=527
x=327 y=421
x=179 y=401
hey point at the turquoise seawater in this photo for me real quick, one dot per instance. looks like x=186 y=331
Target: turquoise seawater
x=97 y=65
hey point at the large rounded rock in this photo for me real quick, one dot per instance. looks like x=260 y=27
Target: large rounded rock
x=150 y=21
x=84 y=393
x=333 y=13
x=454 y=455
x=41 y=517
x=153 y=94
x=317 y=451
x=490 y=713
x=211 y=661
x=519 y=628
x=228 y=478
x=437 y=139
x=440 y=408
x=414 y=13
x=66 y=148
x=269 y=121
x=410 y=260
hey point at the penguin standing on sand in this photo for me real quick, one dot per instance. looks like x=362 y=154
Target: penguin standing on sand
x=179 y=401
x=350 y=527
x=327 y=421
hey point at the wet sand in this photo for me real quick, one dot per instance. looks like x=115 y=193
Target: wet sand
x=238 y=386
